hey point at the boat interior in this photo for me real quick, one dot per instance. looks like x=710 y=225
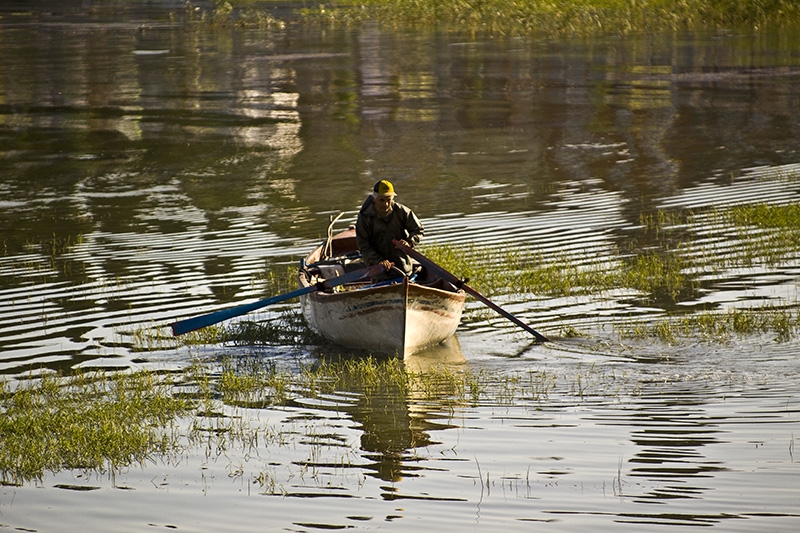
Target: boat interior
x=339 y=255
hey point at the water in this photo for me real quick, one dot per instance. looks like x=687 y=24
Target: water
x=153 y=168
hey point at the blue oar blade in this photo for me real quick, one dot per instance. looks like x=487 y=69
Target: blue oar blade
x=191 y=324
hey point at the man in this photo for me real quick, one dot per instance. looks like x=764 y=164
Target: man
x=380 y=220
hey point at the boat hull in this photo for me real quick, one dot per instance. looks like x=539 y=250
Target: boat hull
x=401 y=318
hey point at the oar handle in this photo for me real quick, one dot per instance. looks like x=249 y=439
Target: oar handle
x=463 y=285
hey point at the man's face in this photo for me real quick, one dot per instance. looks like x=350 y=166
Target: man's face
x=383 y=205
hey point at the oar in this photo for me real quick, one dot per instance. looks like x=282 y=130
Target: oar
x=462 y=285
x=191 y=324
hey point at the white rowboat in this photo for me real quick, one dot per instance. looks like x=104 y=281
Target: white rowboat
x=401 y=317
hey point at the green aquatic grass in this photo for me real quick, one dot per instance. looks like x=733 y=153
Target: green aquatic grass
x=760 y=234
x=277 y=279
x=102 y=422
x=785 y=216
x=734 y=237
x=252 y=382
x=249 y=380
x=532 y=17
x=371 y=390
x=668 y=271
x=87 y=421
x=655 y=273
x=504 y=270
x=721 y=326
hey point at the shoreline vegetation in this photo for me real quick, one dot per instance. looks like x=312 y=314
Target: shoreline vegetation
x=515 y=18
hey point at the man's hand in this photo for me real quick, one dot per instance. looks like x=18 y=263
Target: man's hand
x=387 y=264
x=404 y=243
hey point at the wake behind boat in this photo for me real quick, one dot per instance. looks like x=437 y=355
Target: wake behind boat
x=401 y=316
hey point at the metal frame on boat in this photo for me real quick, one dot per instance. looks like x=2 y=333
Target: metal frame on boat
x=400 y=316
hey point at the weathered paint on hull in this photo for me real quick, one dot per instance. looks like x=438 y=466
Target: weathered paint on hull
x=402 y=318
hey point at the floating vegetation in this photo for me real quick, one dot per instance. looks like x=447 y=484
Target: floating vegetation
x=87 y=421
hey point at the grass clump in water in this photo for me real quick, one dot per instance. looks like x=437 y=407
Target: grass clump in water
x=290 y=328
x=782 y=322
x=655 y=273
x=755 y=234
x=88 y=421
x=253 y=382
x=761 y=215
x=504 y=270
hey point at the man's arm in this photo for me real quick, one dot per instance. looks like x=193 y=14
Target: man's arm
x=363 y=231
x=413 y=228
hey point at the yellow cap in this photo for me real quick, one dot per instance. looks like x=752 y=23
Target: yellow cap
x=384 y=188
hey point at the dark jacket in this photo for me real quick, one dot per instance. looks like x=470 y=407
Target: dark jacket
x=374 y=234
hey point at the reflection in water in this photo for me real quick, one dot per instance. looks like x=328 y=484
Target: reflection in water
x=395 y=420
x=441 y=357
x=670 y=435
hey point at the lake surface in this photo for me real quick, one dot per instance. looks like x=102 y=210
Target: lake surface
x=154 y=167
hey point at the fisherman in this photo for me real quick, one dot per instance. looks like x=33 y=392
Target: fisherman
x=380 y=220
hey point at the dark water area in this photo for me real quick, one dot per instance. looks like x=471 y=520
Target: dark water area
x=154 y=166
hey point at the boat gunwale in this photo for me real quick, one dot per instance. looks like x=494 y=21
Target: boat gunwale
x=365 y=291
x=369 y=291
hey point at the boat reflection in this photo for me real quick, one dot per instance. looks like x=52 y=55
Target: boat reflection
x=439 y=357
x=397 y=418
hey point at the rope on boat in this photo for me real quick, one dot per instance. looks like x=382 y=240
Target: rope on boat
x=326 y=251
